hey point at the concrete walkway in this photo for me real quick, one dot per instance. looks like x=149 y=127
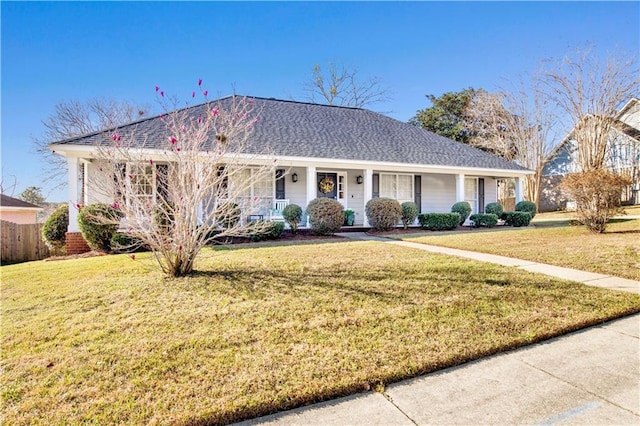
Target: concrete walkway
x=588 y=377
x=588 y=278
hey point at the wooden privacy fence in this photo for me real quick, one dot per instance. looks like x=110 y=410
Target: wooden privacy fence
x=21 y=243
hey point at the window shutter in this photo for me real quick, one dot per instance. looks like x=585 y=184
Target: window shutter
x=417 y=188
x=280 y=193
x=481 y=195
x=375 y=185
x=119 y=179
x=162 y=182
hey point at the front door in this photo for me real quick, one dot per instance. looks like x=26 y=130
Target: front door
x=327 y=186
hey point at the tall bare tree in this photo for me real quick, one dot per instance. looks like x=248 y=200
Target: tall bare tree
x=75 y=118
x=341 y=85
x=590 y=91
x=516 y=124
x=203 y=172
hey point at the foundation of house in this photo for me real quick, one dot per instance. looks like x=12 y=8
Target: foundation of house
x=75 y=243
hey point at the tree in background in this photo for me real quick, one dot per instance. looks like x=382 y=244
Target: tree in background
x=446 y=115
x=75 y=118
x=515 y=124
x=342 y=86
x=590 y=92
x=33 y=195
x=203 y=175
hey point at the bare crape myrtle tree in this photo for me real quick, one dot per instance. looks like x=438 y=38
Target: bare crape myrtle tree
x=202 y=164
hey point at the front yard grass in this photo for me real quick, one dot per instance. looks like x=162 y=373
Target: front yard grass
x=617 y=252
x=108 y=340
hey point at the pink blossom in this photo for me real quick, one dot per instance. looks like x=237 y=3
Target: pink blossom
x=115 y=205
x=180 y=248
x=162 y=93
x=255 y=198
x=100 y=169
x=178 y=149
x=130 y=229
x=250 y=101
x=151 y=162
x=206 y=92
x=198 y=186
x=255 y=120
x=116 y=137
x=78 y=206
x=193 y=94
x=133 y=256
x=157 y=88
x=173 y=140
x=130 y=176
x=199 y=119
x=200 y=82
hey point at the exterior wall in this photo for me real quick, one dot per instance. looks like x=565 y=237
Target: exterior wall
x=75 y=244
x=21 y=217
x=438 y=193
x=296 y=192
x=490 y=191
x=97 y=185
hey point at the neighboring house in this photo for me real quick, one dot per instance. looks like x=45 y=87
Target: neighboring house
x=362 y=154
x=18 y=211
x=624 y=145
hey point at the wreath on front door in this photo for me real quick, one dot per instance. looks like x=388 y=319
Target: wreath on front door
x=326 y=185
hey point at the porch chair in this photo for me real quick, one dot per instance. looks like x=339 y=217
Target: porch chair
x=276 y=213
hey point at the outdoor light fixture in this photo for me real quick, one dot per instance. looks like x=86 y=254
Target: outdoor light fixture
x=294 y=177
x=359 y=180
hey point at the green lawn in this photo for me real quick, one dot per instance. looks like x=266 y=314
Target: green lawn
x=109 y=340
x=617 y=252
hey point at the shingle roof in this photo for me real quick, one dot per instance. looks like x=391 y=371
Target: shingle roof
x=299 y=129
x=6 y=201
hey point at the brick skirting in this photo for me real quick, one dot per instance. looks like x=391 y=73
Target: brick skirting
x=75 y=243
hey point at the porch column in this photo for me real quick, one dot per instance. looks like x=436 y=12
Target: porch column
x=72 y=165
x=519 y=189
x=459 y=188
x=311 y=186
x=368 y=193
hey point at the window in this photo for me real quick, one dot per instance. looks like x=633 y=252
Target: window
x=142 y=181
x=471 y=193
x=396 y=186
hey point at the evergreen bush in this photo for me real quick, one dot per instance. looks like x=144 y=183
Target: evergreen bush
x=527 y=206
x=463 y=209
x=494 y=208
x=439 y=221
x=293 y=216
x=383 y=213
x=409 y=213
x=98 y=222
x=325 y=215
x=487 y=220
x=54 y=230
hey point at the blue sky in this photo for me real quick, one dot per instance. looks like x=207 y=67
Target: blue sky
x=54 y=51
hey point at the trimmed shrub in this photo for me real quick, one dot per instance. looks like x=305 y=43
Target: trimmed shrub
x=325 y=215
x=494 y=208
x=527 y=206
x=409 y=213
x=516 y=219
x=293 y=216
x=55 y=227
x=266 y=231
x=488 y=220
x=463 y=209
x=98 y=223
x=121 y=242
x=383 y=213
x=439 y=221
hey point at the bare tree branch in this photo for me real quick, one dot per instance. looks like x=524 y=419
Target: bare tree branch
x=340 y=85
x=75 y=118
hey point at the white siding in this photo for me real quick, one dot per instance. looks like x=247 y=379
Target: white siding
x=99 y=184
x=296 y=192
x=438 y=193
x=490 y=191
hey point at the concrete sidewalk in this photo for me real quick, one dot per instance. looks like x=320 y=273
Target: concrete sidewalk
x=588 y=377
x=588 y=278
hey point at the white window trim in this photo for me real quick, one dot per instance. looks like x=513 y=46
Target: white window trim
x=395 y=197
